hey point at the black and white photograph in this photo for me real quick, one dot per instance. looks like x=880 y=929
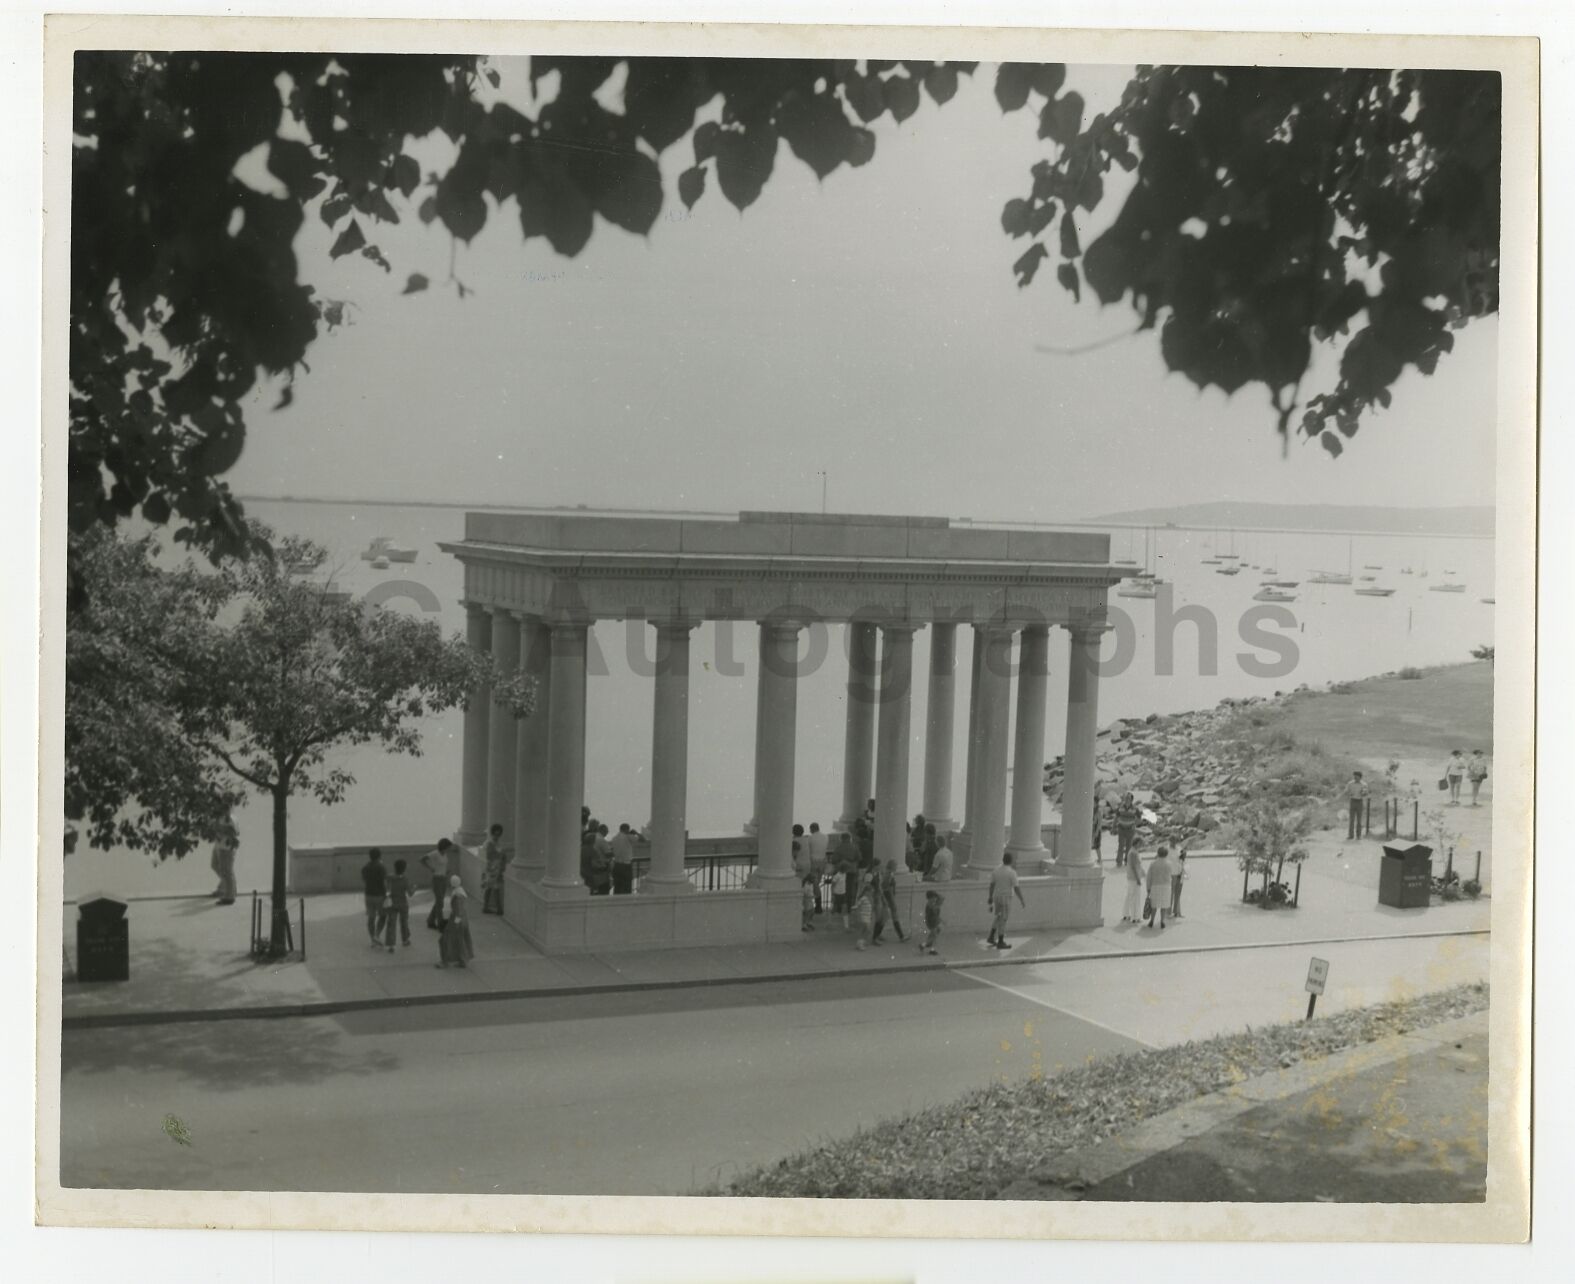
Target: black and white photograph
x=900 y=619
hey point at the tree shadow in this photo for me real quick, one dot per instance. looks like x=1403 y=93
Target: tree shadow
x=225 y=1054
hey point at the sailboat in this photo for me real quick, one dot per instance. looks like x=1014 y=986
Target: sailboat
x=1272 y=593
x=1215 y=559
x=1334 y=577
x=1374 y=590
x=1145 y=583
x=1446 y=588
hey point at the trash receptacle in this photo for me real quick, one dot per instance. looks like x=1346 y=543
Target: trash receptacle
x=1405 y=876
x=103 y=940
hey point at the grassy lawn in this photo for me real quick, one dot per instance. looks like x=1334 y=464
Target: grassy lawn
x=1426 y=717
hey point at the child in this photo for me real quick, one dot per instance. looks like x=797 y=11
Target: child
x=932 y=922
x=839 y=892
x=397 y=907
x=864 y=909
x=807 y=901
x=1177 y=877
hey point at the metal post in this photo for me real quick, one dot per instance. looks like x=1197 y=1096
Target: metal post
x=1477 y=878
x=1312 y=1002
x=1367 y=816
x=303 y=930
x=1449 y=864
x=1296 y=897
x=1416 y=808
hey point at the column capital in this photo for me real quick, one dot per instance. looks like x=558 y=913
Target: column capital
x=900 y=628
x=994 y=629
x=674 y=626
x=781 y=628
x=1088 y=630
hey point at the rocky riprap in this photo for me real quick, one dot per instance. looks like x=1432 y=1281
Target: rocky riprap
x=1191 y=773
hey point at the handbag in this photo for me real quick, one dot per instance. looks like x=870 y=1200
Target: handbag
x=1443 y=782
x=1148 y=909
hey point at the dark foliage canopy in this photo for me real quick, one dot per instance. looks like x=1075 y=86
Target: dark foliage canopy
x=1274 y=209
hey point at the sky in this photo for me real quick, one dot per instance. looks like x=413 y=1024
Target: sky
x=868 y=326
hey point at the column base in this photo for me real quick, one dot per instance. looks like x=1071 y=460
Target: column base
x=751 y=829
x=943 y=824
x=518 y=873
x=470 y=837
x=1036 y=852
x=772 y=882
x=561 y=891
x=666 y=887
x=1083 y=859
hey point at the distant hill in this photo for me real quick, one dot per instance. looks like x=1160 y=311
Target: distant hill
x=1227 y=515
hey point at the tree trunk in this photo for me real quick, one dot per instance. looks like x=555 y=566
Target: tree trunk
x=279 y=935
x=1279 y=869
x=1246 y=872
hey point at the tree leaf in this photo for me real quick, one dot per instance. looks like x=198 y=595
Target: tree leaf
x=1013 y=80
x=1028 y=264
x=1066 y=274
x=350 y=240
x=1070 y=248
x=415 y=284
x=691 y=185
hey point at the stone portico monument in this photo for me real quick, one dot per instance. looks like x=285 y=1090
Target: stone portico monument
x=534 y=584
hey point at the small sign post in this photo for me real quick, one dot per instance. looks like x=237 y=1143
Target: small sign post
x=1317 y=975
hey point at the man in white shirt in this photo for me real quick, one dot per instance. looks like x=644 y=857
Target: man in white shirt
x=818 y=844
x=1003 y=886
x=941 y=867
x=435 y=862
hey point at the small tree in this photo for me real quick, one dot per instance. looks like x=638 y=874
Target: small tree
x=260 y=674
x=1266 y=837
x=1482 y=653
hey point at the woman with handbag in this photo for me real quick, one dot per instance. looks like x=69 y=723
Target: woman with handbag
x=1454 y=776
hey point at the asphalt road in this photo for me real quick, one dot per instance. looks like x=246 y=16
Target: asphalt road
x=658 y=1093
x=637 y=1094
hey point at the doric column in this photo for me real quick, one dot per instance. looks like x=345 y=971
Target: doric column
x=971 y=769
x=989 y=787
x=669 y=761
x=939 y=717
x=858 y=746
x=565 y=759
x=473 y=788
x=752 y=826
x=891 y=753
x=1082 y=733
x=530 y=753
x=503 y=733
x=776 y=744
x=1033 y=671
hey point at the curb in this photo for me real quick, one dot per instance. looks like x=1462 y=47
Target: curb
x=336 y=1007
x=1074 y=1173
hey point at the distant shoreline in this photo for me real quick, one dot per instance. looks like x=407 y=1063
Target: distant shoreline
x=725 y=515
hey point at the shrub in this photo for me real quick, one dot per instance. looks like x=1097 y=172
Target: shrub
x=1471 y=888
x=1342 y=688
x=1410 y=673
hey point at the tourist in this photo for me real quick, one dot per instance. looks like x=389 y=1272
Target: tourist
x=1476 y=773
x=588 y=858
x=374 y=886
x=887 y=905
x=435 y=862
x=1177 y=877
x=1003 y=886
x=932 y=923
x=1127 y=817
x=1160 y=872
x=455 y=946
x=942 y=863
x=924 y=849
x=398 y=911
x=865 y=899
x=496 y=858
x=915 y=851
x=1132 y=907
x=1356 y=803
x=864 y=836
x=869 y=813
x=844 y=862
x=800 y=848
x=807 y=905
x=1455 y=774
x=1099 y=834
x=601 y=862
x=223 y=864
x=818 y=844
x=623 y=860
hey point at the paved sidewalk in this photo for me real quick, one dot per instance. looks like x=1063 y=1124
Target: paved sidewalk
x=1403 y=1120
x=189 y=960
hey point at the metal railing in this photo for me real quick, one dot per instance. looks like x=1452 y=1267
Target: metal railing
x=262 y=929
x=720 y=872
